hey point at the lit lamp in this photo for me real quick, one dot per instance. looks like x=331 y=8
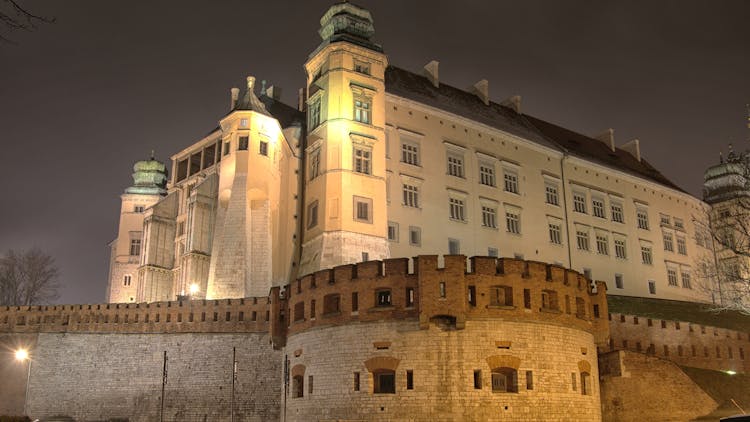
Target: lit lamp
x=194 y=289
x=22 y=355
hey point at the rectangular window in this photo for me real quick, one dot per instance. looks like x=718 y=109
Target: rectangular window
x=493 y=252
x=642 y=216
x=550 y=194
x=513 y=222
x=457 y=209
x=602 y=245
x=314 y=114
x=477 y=379
x=415 y=236
x=618 y=281
x=579 y=202
x=410 y=153
x=489 y=217
x=473 y=295
x=529 y=380
x=243 y=122
x=652 y=287
x=681 y=246
x=315 y=163
x=362 y=67
x=617 y=214
x=582 y=240
x=486 y=174
x=138 y=208
x=244 y=141
x=454 y=247
x=362 y=209
x=511 y=181
x=597 y=207
x=646 y=257
x=410 y=300
x=392 y=231
x=527 y=298
x=362 y=108
x=501 y=296
x=672 y=277
x=127 y=280
x=686 y=280
x=668 y=243
x=362 y=160
x=678 y=224
x=455 y=165
x=263 y=148
x=620 y=249
x=355 y=302
x=310 y=384
x=356 y=381
x=555 y=234
x=573 y=379
x=312 y=214
x=409 y=380
x=135 y=247
x=411 y=196
x=383 y=298
x=227 y=149
x=664 y=220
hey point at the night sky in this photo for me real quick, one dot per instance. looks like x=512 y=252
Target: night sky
x=82 y=99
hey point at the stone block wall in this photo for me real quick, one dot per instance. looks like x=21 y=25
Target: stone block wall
x=682 y=342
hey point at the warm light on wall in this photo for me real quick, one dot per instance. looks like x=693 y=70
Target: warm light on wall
x=194 y=289
x=22 y=355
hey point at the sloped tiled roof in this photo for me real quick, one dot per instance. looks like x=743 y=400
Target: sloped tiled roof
x=418 y=88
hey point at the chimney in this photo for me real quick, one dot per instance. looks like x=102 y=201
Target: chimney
x=608 y=138
x=273 y=92
x=634 y=148
x=235 y=95
x=431 y=71
x=482 y=90
x=301 y=99
x=513 y=102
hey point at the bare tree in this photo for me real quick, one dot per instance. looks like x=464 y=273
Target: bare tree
x=28 y=278
x=13 y=17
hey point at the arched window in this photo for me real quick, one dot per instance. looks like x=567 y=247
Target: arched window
x=504 y=380
x=384 y=381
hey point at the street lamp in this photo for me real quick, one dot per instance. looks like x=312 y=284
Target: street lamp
x=22 y=355
x=194 y=289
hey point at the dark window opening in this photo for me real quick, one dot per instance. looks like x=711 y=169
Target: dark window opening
x=182 y=168
x=473 y=295
x=356 y=381
x=263 y=148
x=410 y=297
x=409 y=380
x=331 y=304
x=501 y=296
x=195 y=163
x=504 y=380
x=244 y=141
x=298 y=386
x=384 y=381
x=383 y=298
x=527 y=298
x=477 y=379
x=586 y=383
x=355 y=302
x=209 y=155
x=529 y=380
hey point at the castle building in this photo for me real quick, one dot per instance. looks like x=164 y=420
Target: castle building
x=384 y=162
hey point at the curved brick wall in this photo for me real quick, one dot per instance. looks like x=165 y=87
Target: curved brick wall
x=443 y=362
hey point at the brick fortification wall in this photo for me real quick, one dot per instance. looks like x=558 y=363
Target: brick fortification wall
x=684 y=343
x=435 y=337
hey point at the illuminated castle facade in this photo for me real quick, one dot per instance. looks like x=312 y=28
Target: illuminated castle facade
x=378 y=162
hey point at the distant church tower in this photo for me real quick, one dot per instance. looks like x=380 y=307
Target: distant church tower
x=149 y=181
x=345 y=218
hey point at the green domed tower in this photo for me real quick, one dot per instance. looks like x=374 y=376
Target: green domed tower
x=149 y=177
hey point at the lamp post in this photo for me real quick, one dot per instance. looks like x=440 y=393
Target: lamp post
x=22 y=355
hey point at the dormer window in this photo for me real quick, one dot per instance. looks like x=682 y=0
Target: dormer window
x=243 y=122
x=361 y=67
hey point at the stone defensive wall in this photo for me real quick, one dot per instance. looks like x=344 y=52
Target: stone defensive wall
x=685 y=343
x=497 y=339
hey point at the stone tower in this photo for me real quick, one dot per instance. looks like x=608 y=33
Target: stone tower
x=149 y=181
x=345 y=217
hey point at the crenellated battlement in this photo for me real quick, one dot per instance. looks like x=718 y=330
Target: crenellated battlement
x=483 y=288
x=224 y=315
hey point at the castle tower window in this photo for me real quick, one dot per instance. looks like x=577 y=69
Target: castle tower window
x=617 y=214
x=602 y=244
x=128 y=278
x=686 y=280
x=299 y=311
x=410 y=299
x=513 y=222
x=586 y=388
x=573 y=378
x=135 y=247
x=550 y=194
x=312 y=309
x=195 y=163
x=362 y=207
x=455 y=165
x=580 y=308
x=489 y=217
x=314 y=114
x=486 y=174
x=355 y=302
x=314 y=163
x=411 y=196
x=620 y=250
x=415 y=236
x=442 y=289
x=527 y=298
x=209 y=155
x=410 y=153
x=310 y=384
x=618 y=281
x=298 y=386
x=672 y=277
x=454 y=247
x=409 y=380
x=642 y=217
x=263 y=148
x=555 y=234
x=384 y=381
x=668 y=242
x=510 y=178
x=646 y=256
x=362 y=107
x=681 y=246
x=356 y=381
x=473 y=295
x=227 y=148
x=652 y=287
x=457 y=209
x=504 y=380
x=331 y=304
x=362 y=67
x=138 y=208
x=243 y=144
x=549 y=300
x=582 y=239
x=362 y=160
x=597 y=206
x=477 y=379
x=393 y=231
x=312 y=214
x=501 y=296
x=383 y=298
x=529 y=380
x=182 y=169
x=579 y=202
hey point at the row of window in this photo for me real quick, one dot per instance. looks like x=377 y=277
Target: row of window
x=361 y=111
x=503 y=380
x=681 y=351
